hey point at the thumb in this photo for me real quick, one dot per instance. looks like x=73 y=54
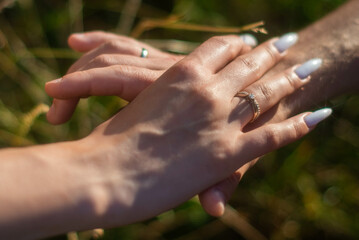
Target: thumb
x=214 y=199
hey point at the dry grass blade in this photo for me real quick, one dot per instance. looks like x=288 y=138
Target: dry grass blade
x=238 y=223
x=50 y=53
x=76 y=16
x=29 y=118
x=176 y=46
x=128 y=16
x=14 y=140
x=173 y=23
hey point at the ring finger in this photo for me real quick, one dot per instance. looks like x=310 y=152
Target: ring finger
x=112 y=47
x=105 y=60
x=264 y=94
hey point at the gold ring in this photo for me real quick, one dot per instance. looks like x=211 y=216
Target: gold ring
x=144 y=53
x=252 y=100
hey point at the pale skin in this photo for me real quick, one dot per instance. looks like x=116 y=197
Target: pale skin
x=338 y=46
x=149 y=158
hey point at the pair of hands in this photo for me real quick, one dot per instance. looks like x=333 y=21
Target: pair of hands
x=194 y=124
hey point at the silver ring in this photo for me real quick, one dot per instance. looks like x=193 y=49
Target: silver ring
x=252 y=100
x=144 y=53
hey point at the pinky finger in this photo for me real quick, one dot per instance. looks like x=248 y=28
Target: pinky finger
x=273 y=136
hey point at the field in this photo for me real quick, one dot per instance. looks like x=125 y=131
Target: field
x=307 y=190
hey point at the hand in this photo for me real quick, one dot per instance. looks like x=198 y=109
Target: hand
x=282 y=82
x=121 y=55
x=184 y=132
x=213 y=198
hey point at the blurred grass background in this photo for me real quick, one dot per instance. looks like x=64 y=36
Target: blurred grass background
x=308 y=190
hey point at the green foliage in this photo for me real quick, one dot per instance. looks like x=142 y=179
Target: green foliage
x=304 y=191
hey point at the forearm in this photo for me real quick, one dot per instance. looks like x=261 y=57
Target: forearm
x=335 y=39
x=44 y=191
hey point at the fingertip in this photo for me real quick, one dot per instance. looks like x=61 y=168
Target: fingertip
x=249 y=39
x=51 y=114
x=51 y=86
x=61 y=111
x=80 y=42
x=213 y=202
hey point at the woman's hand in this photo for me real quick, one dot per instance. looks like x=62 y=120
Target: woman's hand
x=213 y=198
x=122 y=55
x=184 y=132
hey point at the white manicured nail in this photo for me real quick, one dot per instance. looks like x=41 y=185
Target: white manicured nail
x=308 y=67
x=249 y=39
x=316 y=117
x=286 y=41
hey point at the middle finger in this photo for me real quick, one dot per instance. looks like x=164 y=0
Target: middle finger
x=249 y=67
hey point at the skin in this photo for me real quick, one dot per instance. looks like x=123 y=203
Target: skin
x=333 y=38
x=133 y=169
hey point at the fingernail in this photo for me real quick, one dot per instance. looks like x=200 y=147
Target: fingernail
x=249 y=39
x=286 y=41
x=308 y=67
x=80 y=36
x=55 y=81
x=220 y=201
x=316 y=117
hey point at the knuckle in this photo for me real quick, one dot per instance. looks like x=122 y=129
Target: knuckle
x=272 y=136
x=278 y=138
x=102 y=60
x=223 y=149
x=221 y=41
x=290 y=80
x=298 y=130
x=265 y=92
x=273 y=57
x=112 y=44
x=251 y=65
x=189 y=69
x=224 y=43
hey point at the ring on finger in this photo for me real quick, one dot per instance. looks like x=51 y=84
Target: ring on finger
x=253 y=102
x=144 y=53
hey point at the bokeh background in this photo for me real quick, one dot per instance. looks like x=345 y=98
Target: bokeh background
x=308 y=190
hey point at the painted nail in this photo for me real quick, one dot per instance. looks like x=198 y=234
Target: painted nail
x=286 y=41
x=249 y=39
x=308 y=67
x=316 y=117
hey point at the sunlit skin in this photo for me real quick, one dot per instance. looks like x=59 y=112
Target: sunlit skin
x=178 y=137
x=310 y=45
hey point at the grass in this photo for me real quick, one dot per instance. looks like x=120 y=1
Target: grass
x=306 y=190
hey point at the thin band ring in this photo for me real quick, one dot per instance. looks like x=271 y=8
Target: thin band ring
x=252 y=100
x=144 y=53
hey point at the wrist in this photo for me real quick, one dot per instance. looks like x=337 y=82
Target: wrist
x=109 y=187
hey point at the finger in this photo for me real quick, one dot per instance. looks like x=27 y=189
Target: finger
x=61 y=110
x=123 y=81
x=106 y=60
x=216 y=52
x=109 y=47
x=214 y=199
x=273 y=136
x=249 y=67
x=84 y=42
x=270 y=91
